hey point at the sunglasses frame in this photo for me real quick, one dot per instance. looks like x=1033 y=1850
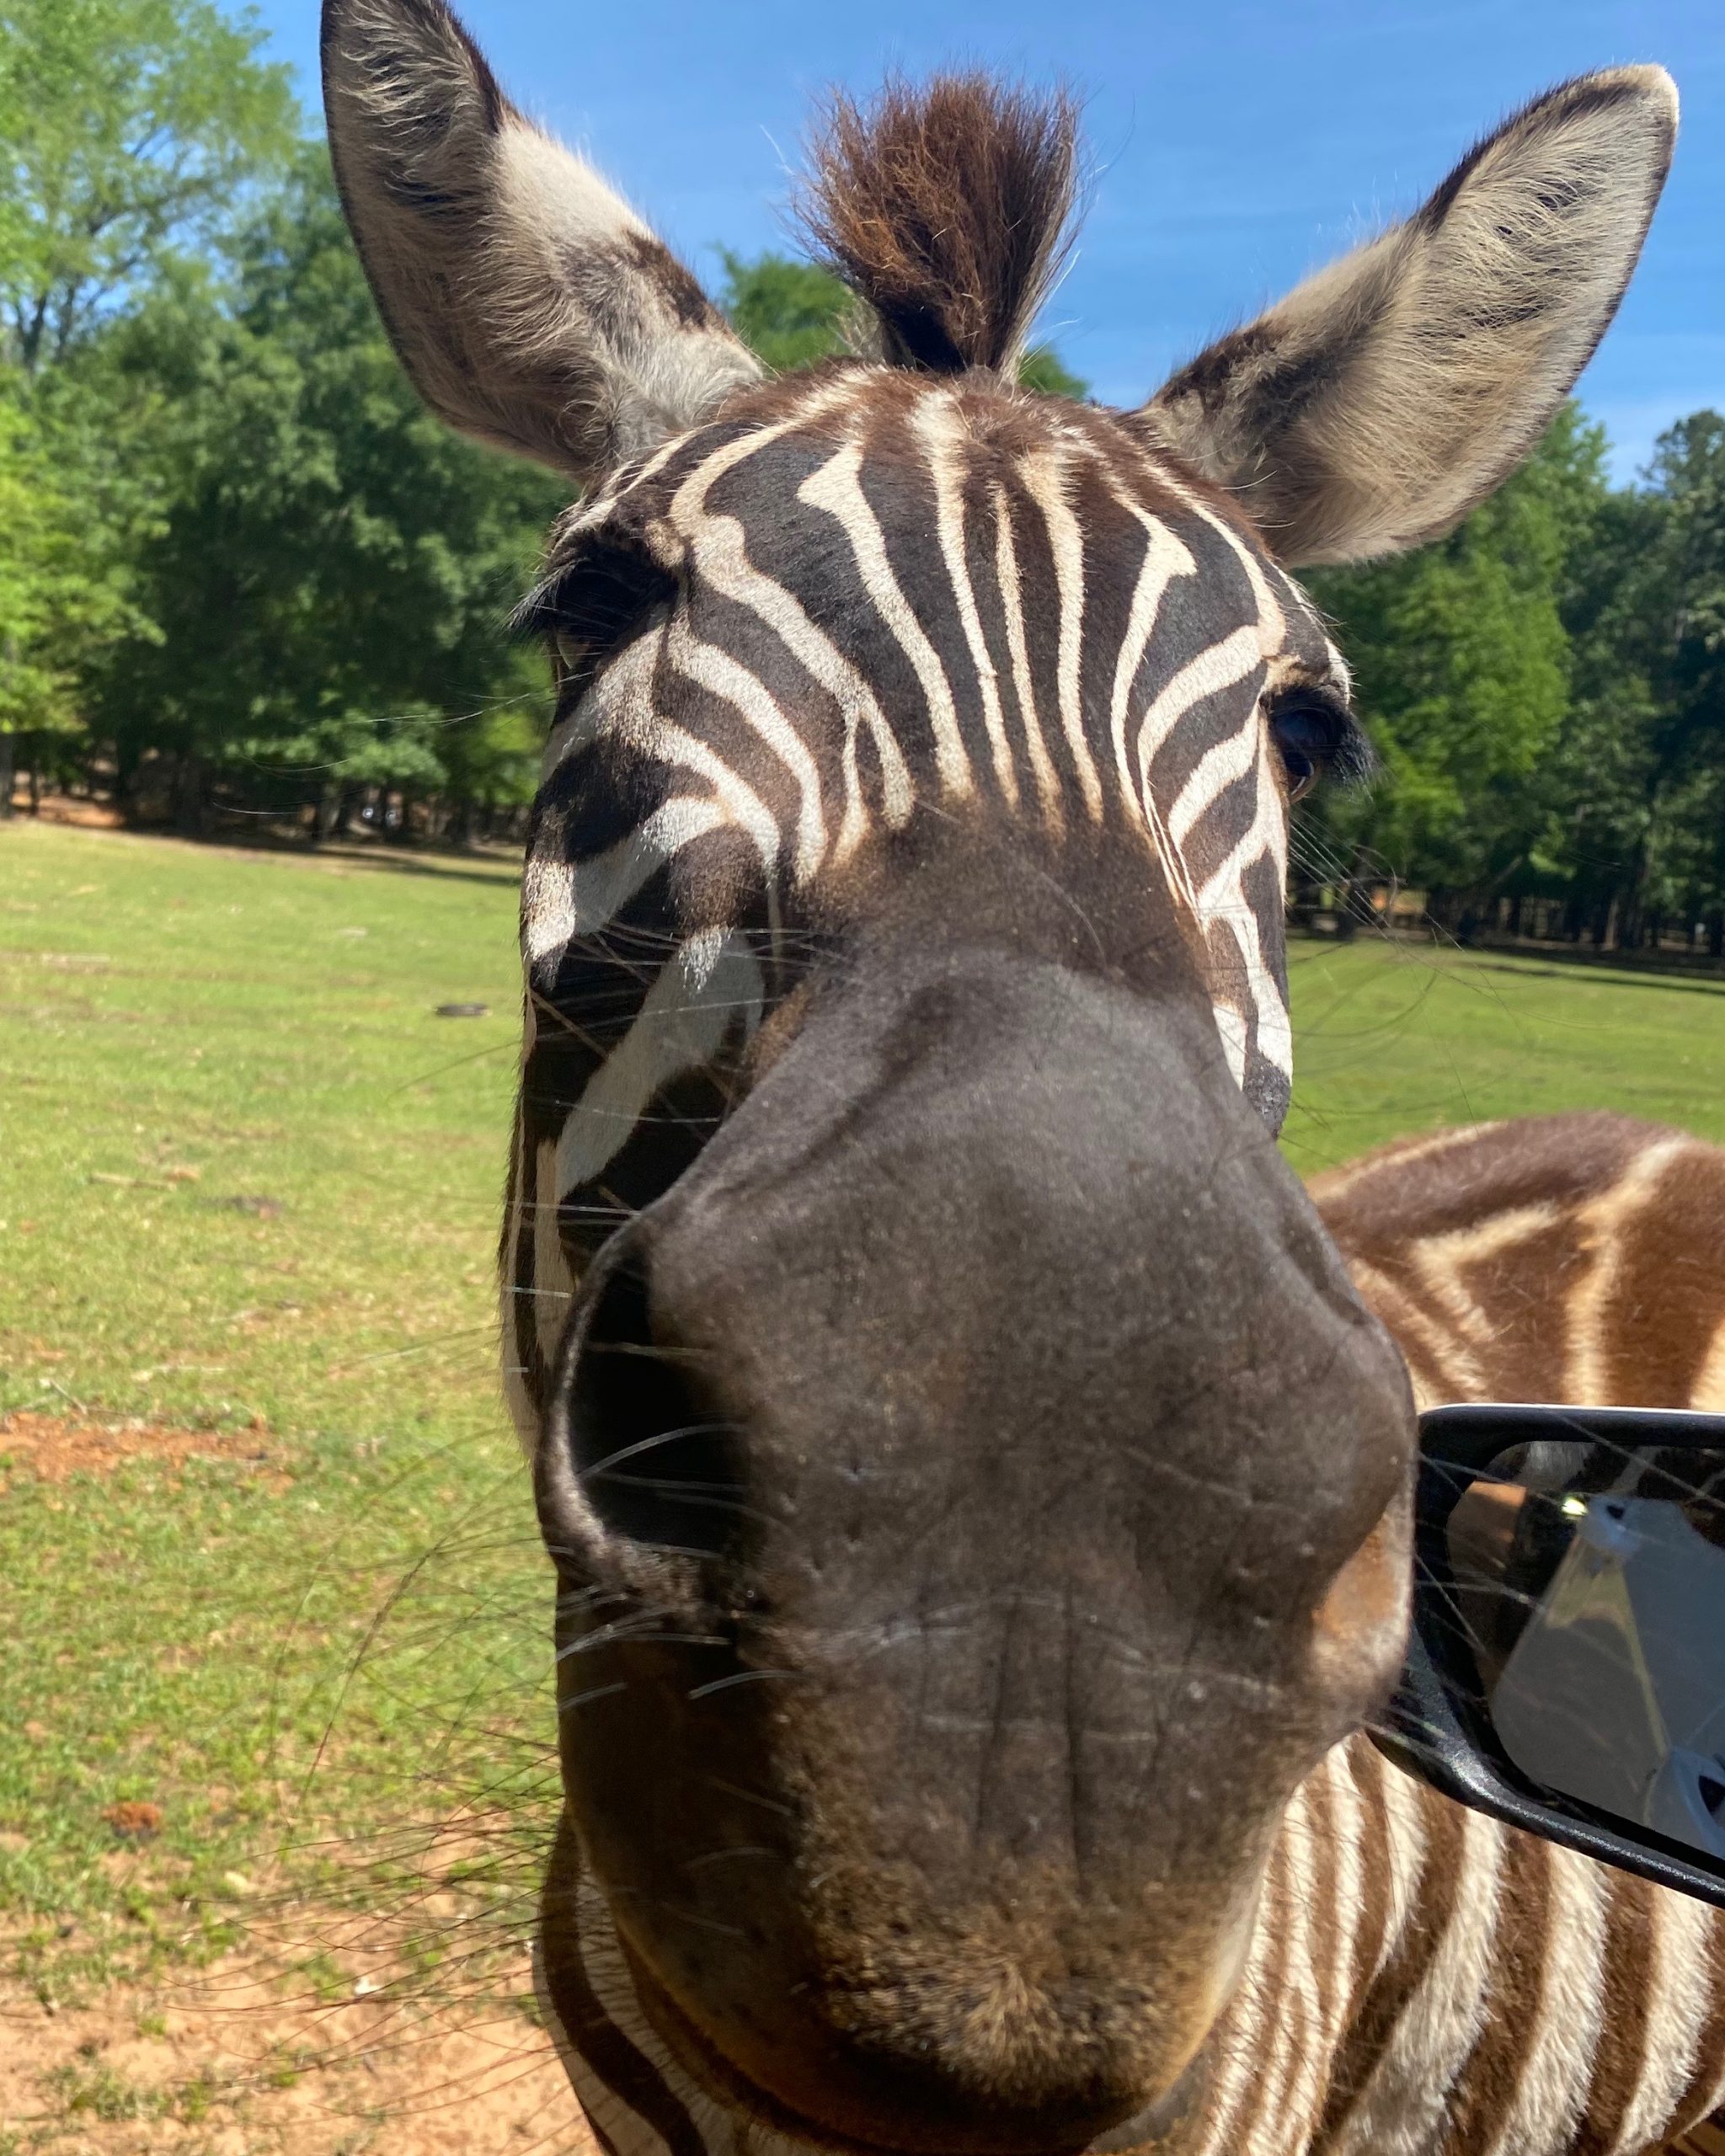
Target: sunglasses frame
x=1436 y=1727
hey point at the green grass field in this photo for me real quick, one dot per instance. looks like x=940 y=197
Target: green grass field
x=1398 y=1037
x=249 y=1188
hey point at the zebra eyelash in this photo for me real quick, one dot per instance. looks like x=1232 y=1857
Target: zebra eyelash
x=1318 y=738
x=586 y=605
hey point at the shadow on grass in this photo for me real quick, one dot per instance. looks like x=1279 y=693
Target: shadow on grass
x=1552 y=965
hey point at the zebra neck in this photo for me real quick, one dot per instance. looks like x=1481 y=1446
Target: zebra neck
x=1422 y=1981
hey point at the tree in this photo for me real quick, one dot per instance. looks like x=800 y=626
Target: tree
x=1043 y=369
x=1462 y=663
x=132 y=131
x=791 y=313
x=238 y=562
x=1547 y=689
x=1639 y=779
x=66 y=588
x=332 y=573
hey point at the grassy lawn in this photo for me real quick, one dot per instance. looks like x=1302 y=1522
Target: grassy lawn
x=249 y=1189
x=1398 y=1037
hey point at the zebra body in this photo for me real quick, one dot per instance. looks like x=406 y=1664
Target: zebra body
x=1566 y=1258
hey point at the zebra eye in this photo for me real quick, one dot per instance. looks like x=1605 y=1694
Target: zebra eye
x=589 y=605
x=1316 y=737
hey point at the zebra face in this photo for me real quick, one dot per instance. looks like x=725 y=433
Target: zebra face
x=979 y=1498
x=876 y=596
x=961 y=1429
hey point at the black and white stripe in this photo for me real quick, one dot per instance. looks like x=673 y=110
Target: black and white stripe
x=876 y=610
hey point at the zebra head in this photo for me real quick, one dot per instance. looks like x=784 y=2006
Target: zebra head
x=979 y=1499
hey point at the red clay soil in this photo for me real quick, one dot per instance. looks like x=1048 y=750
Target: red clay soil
x=233 y=2063
x=70 y=808
x=50 y=1449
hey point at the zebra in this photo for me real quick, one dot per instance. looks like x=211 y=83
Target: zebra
x=980 y=1501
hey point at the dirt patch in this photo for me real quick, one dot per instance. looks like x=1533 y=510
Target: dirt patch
x=49 y=1448
x=244 y=2059
x=134 y=1820
x=70 y=810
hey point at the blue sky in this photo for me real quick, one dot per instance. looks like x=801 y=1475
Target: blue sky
x=1235 y=144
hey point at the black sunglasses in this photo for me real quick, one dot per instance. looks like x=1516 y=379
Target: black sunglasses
x=1566 y=1670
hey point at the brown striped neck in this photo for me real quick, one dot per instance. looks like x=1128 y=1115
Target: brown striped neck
x=1422 y=1982
x=1570 y=1258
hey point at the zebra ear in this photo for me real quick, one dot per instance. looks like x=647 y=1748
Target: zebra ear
x=1380 y=400
x=530 y=305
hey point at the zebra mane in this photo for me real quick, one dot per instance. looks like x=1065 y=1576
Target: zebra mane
x=944 y=206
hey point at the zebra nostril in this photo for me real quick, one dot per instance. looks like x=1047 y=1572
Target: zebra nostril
x=654 y=1461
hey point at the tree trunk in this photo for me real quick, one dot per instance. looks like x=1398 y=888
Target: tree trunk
x=1444 y=909
x=126 y=761
x=189 y=804
x=7 y=772
x=36 y=781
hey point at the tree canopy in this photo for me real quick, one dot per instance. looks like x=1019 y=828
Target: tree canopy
x=328 y=576
x=241 y=572
x=132 y=132
x=1546 y=690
